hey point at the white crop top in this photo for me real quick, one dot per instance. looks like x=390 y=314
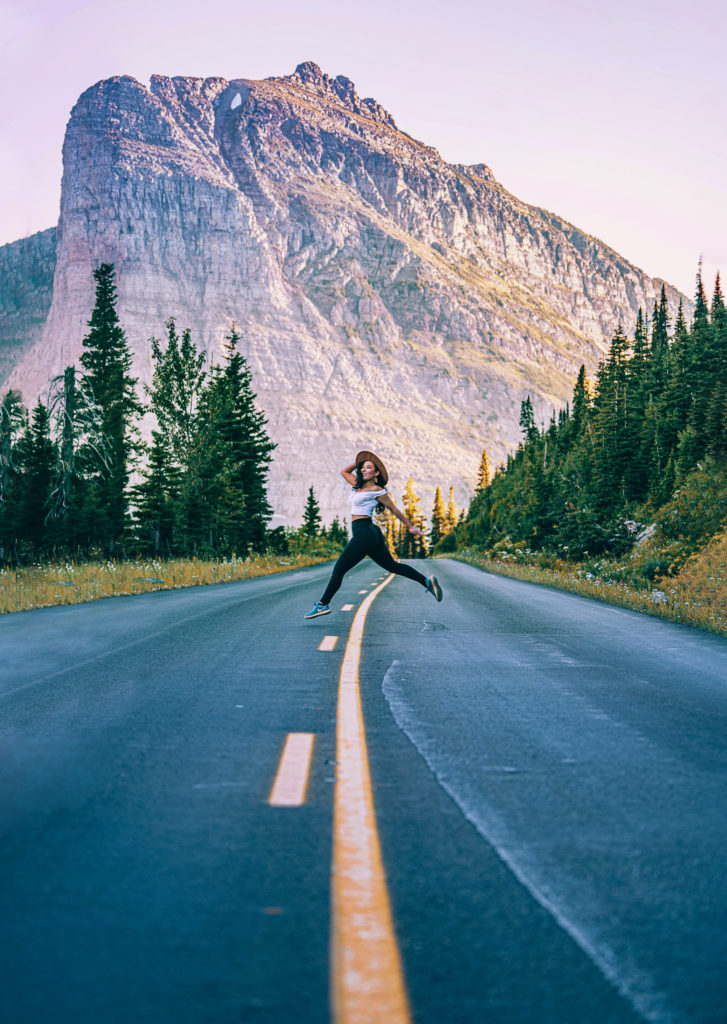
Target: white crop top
x=363 y=503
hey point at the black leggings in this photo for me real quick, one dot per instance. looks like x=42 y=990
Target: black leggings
x=367 y=540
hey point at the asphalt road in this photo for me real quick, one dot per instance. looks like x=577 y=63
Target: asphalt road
x=549 y=778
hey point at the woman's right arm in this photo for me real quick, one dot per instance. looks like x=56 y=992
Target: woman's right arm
x=348 y=474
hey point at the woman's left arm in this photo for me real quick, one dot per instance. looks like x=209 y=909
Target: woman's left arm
x=386 y=500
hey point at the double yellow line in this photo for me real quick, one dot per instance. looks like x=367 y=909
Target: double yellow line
x=367 y=983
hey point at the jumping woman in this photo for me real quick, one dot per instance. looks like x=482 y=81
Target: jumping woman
x=368 y=477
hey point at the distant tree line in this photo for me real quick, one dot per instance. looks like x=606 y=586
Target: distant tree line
x=657 y=409
x=67 y=480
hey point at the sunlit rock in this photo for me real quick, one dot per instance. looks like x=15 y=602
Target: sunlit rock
x=386 y=299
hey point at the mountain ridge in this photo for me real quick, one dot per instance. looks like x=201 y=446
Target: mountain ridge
x=385 y=297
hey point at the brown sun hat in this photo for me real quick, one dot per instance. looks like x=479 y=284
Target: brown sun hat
x=370 y=457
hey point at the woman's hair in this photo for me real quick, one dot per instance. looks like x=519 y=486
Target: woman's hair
x=360 y=482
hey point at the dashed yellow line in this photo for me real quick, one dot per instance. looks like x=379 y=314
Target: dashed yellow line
x=367 y=982
x=291 y=780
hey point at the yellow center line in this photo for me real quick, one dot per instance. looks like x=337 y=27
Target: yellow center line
x=291 y=780
x=367 y=983
x=328 y=643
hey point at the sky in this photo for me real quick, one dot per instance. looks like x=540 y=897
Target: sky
x=610 y=115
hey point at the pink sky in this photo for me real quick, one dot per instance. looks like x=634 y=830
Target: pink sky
x=610 y=115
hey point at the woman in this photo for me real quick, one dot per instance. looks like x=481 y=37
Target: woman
x=368 y=477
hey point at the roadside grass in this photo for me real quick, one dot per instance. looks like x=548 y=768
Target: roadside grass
x=699 y=589
x=695 y=596
x=42 y=586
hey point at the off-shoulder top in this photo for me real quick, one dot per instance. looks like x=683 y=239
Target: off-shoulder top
x=363 y=503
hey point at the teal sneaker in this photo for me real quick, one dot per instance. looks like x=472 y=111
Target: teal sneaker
x=434 y=588
x=317 y=609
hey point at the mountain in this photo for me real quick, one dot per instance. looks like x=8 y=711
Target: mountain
x=386 y=298
x=26 y=289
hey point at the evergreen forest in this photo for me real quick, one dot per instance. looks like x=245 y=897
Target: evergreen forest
x=77 y=480
x=643 y=446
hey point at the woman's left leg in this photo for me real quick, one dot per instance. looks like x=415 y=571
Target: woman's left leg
x=352 y=554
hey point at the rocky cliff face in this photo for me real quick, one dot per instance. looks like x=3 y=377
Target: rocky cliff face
x=386 y=299
x=26 y=289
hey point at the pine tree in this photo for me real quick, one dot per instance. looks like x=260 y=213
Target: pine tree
x=156 y=499
x=439 y=519
x=613 y=444
x=452 y=517
x=638 y=386
x=108 y=385
x=716 y=416
x=13 y=418
x=389 y=525
x=659 y=359
x=581 y=402
x=311 y=516
x=83 y=454
x=410 y=545
x=527 y=420
x=678 y=396
x=176 y=385
x=174 y=393
x=38 y=464
x=701 y=367
x=639 y=369
x=422 y=546
x=225 y=489
x=483 y=473
x=254 y=447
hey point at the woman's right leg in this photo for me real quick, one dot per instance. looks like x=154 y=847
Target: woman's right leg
x=382 y=556
x=351 y=555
